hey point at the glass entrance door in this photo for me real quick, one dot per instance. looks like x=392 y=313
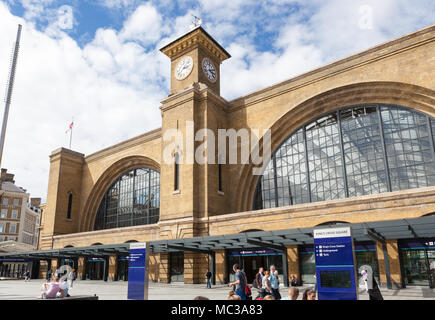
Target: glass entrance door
x=122 y=269
x=177 y=266
x=415 y=267
x=94 y=269
x=431 y=258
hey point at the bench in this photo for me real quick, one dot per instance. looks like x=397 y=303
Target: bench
x=94 y=297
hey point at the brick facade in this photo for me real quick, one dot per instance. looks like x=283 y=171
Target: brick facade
x=398 y=72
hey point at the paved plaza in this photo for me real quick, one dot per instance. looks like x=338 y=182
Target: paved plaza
x=20 y=290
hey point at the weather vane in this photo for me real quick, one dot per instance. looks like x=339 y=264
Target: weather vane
x=196 y=22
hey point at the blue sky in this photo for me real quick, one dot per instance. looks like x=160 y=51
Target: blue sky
x=106 y=71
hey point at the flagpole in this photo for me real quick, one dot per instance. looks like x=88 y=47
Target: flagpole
x=70 y=139
x=70 y=136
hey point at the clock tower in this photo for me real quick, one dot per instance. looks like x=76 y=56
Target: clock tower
x=195 y=58
x=190 y=191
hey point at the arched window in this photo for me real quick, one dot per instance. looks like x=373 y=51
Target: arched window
x=70 y=198
x=351 y=152
x=177 y=172
x=133 y=199
x=220 y=177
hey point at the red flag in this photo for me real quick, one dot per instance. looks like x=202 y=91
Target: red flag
x=70 y=127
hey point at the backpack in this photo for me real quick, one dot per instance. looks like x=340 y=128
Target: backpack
x=248 y=291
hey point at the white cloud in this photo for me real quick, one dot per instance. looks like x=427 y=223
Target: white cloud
x=110 y=87
x=144 y=25
x=113 y=85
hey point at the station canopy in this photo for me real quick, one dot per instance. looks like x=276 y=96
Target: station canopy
x=380 y=231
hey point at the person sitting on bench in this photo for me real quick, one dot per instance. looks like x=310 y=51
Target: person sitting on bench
x=51 y=289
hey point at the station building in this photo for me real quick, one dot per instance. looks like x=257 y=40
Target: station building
x=352 y=144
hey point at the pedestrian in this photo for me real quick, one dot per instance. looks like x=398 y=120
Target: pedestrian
x=71 y=278
x=371 y=286
x=309 y=294
x=49 y=274
x=267 y=290
x=293 y=294
x=258 y=278
x=258 y=282
x=50 y=290
x=201 y=298
x=56 y=273
x=208 y=276
x=27 y=276
x=274 y=283
x=294 y=281
x=240 y=282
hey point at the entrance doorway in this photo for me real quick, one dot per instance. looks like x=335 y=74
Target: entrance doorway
x=122 y=270
x=176 y=262
x=419 y=267
x=94 y=269
x=251 y=264
x=418 y=262
x=250 y=260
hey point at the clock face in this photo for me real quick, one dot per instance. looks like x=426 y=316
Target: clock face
x=184 y=68
x=209 y=70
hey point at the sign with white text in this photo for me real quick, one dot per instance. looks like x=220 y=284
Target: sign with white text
x=335 y=267
x=138 y=271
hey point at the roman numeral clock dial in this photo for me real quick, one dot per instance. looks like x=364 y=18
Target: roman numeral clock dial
x=184 y=68
x=209 y=70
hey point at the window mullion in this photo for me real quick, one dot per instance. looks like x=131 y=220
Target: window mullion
x=275 y=180
x=384 y=149
x=343 y=163
x=307 y=165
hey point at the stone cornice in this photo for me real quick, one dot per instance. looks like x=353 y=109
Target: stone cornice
x=189 y=94
x=146 y=137
x=191 y=40
x=369 y=200
x=106 y=232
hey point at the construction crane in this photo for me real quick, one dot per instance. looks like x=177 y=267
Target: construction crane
x=9 y=87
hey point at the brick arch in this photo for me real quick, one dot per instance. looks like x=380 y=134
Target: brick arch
x=395 y=93
x=106 y=180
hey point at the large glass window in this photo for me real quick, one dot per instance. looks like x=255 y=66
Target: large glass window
x=351 y=152
x=133 y=199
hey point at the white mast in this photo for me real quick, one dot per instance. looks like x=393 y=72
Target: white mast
x=9 y=91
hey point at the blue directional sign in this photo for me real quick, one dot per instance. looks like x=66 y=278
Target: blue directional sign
x=138 y=272
x=335 y=267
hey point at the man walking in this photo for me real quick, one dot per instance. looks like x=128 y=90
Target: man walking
x=274 y=283
x=208 y=276
x=27 y=276
x=259 y=278
x=240 y=282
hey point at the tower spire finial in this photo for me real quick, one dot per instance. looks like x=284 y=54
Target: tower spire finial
x=196 y=22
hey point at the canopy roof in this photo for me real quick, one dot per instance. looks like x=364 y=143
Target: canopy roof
x=420 y=228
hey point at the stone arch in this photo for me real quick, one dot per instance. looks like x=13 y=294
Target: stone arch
x=105 y=181
x=131 y=241
x=430 y=215
x=332 y=223
x=97 y=244
x=69 y=246
x=251 y=230
x=407 y=95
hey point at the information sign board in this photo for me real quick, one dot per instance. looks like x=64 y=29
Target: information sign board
x=335 y=267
